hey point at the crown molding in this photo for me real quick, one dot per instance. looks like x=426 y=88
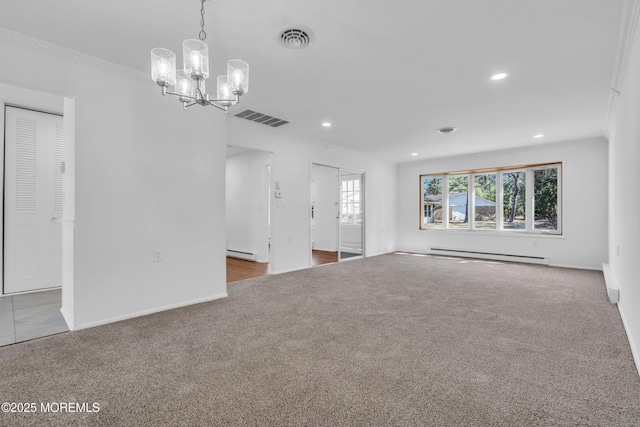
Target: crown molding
x=22 y=40
x=628 y=26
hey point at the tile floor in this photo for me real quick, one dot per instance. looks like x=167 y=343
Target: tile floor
x=27 y=316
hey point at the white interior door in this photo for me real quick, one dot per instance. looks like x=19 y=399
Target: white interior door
x=324 y=221
x=33 y=200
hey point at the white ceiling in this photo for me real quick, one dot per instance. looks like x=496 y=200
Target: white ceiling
x=386 y=74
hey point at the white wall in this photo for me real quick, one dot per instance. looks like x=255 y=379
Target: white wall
x=584 y=205
x=624 y=230
x=292 y=159
x=325 y=223
x=246 y=207
x=147 y=176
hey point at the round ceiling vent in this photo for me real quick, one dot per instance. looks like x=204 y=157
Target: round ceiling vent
x=296 y=38
x=447 y=130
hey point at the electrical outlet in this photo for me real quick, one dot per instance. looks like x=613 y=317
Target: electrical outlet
x=156 y=255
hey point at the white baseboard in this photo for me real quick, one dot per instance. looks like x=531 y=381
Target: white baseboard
x=290 y=270
x=145 y=312
x=68 y=317
x=577 y=267
x=635 y=349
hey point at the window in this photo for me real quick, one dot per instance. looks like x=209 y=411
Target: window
x=350 y=212
x=432 y=202
x=458 y=201
x=485 y=201
x=545 y=199
x=511 y=199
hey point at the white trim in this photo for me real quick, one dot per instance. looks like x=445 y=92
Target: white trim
x=143 y=312
x=635 y=348
x=529 y=182
x=492 y=232
x=629 y=22
x=290 y=270
x=577 y=267
x=67 y=316
x=48 y=48
x=611 y=284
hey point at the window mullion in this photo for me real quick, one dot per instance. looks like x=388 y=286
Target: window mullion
x=445 y=201
x=499 y=201
x=422 y=204
x=528 y=209
x=559 y=200
x=471 y=201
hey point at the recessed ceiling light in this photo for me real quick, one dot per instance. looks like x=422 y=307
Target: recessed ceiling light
x=446 y=130
x=499 y=76
x=414 y=154
x=326 y=124
x=538 y=136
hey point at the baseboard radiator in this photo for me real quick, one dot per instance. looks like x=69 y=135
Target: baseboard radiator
x=610 y=282
x=490 y=255
x=242 y=255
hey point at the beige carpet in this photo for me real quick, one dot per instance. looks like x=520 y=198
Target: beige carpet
x=388 y=340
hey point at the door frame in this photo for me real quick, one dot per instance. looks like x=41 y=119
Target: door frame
x=64 y=105
x=3 y=251
x=363 y=201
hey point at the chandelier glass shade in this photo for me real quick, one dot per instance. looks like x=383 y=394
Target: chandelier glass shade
x=188 y=84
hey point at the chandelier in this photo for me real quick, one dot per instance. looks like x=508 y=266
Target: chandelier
x=188 y=84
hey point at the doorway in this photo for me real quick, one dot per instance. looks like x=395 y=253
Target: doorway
x=33 y=200
x=248 y=212
x=337 y=214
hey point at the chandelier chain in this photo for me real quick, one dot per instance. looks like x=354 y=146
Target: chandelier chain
x=202 y=35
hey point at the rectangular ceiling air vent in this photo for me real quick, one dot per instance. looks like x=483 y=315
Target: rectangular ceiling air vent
x=264 y=119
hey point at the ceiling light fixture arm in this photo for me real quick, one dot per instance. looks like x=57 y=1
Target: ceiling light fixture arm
x=202 y=99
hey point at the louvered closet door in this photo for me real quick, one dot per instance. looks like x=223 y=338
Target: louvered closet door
x=32 y=200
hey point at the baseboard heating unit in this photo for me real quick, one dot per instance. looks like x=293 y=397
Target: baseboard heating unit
x=490 y=255
x=242 y=255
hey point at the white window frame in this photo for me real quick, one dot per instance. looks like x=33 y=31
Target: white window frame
x=350 y=204
x=527 y=205
x=529 y=171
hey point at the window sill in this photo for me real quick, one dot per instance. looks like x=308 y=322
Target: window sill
x=497 y=233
